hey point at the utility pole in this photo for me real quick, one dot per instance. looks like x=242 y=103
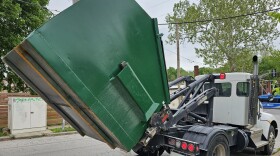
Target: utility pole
x=178 y=59
x=178 y=51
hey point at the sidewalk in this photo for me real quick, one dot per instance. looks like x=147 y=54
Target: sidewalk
x=47 y=132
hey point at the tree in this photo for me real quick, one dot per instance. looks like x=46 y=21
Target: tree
x=17 y=19
x=229 y=42
x=172 y=73
x=269 y=62
x=209 y=70
x=275 y=15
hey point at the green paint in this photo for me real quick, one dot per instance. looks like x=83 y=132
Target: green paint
x=85 y=45
x=138 y=92
x=25 y=99
x=59 y=130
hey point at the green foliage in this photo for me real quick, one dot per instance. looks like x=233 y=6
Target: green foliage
x=172 y=73
x=209 y=70
x=3 y=132
x=66 y=129
x=266 y=64
x=206 y=70
x=17 y=19
x=269 y=62
x=275 y=15
x=232 y=42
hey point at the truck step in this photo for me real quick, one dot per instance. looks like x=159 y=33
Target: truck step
x=256 y=135
x=261 y=144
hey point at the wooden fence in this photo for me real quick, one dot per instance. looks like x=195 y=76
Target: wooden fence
x=52 y=117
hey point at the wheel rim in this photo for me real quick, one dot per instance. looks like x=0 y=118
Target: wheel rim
x=219 y=150
x=271 y=141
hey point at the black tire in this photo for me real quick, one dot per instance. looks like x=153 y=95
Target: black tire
x=217 y=147
x=143 y=152
x=268 y=149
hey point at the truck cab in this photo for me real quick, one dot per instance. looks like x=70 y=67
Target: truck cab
x=218 y=113
x=231 y=103
x=231 y=106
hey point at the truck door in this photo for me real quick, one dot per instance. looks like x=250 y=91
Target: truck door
x=239 y=109
x=222 y=102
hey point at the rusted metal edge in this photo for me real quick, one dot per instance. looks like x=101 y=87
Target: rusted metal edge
x=21 y=52
x=68 y=92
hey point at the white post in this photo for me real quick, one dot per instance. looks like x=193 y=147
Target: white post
x=63 y=124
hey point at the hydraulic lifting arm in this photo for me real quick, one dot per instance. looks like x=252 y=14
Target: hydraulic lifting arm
x=165 y=119
x=189 y=107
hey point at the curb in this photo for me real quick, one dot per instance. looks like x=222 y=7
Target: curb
x=5 y=138
x=61 y=133
x=276 y=153
x=26 y=137
x=12 y=137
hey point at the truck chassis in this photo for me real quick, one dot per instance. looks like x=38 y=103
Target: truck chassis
x=187 y=131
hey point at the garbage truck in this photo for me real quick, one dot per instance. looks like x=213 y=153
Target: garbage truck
x=101 y=66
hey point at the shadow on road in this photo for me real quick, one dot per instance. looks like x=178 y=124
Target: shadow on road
x=247 y=152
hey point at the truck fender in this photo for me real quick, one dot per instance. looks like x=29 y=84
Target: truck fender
x=203 y=135
x=265 y=122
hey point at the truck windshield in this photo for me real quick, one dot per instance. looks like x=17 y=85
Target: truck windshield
x=224 y=89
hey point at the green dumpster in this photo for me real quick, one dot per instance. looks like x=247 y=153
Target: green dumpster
x=99 y=64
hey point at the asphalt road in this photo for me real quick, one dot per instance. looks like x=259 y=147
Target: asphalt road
x=75 y=145
x=67 y=145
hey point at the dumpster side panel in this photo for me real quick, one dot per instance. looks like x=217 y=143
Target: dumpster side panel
x=84 y=47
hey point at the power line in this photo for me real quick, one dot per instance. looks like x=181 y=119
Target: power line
x=223 y=18
x=165 y=14
x=191 y=61
x=55 y=10
x=158 y=4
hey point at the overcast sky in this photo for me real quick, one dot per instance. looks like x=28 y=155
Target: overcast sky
x=156 y=9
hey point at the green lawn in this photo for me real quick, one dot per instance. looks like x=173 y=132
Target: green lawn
x=66 y=129
x=2 y=134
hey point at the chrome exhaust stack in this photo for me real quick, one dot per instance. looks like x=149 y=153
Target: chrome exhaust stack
x=256 y=65
x=254 y=92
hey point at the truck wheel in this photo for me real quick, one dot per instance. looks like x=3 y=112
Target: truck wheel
x=143 y=152
x=217 y=147
x=268 y=149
